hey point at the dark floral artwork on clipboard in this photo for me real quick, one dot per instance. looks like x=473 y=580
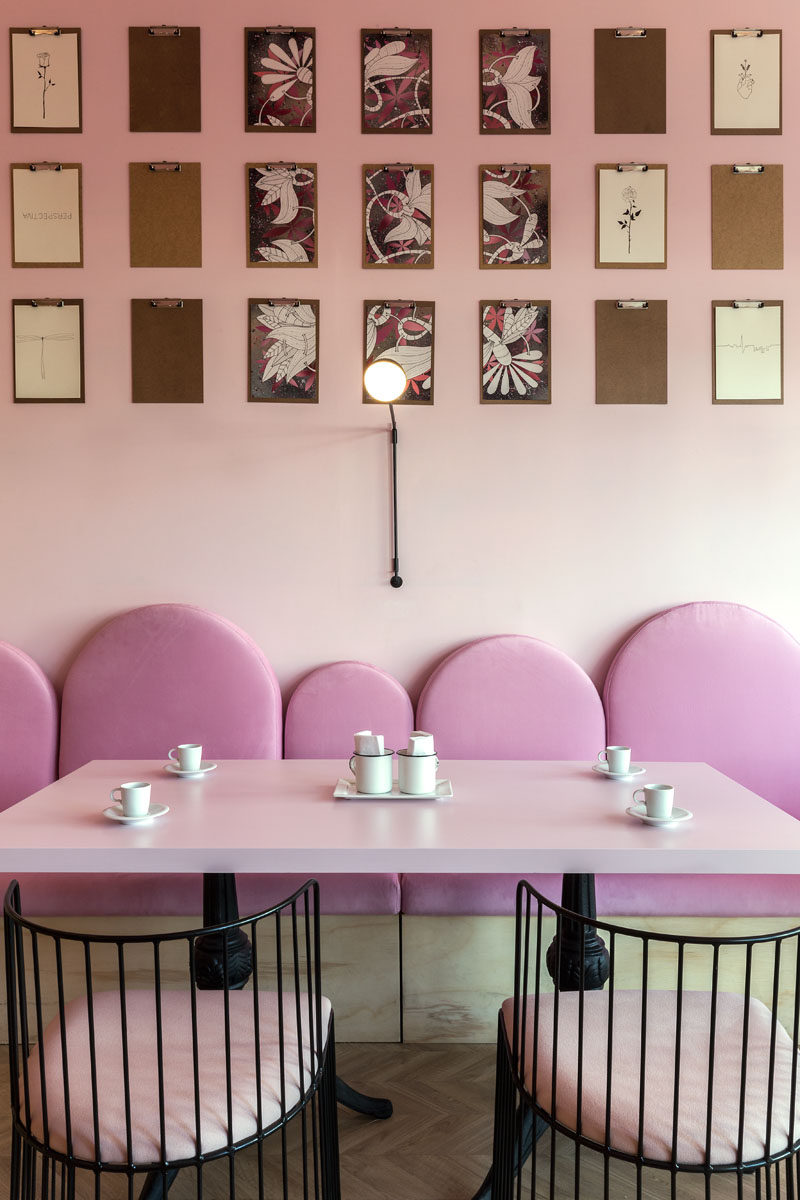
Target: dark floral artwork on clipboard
x=396 y=81
x=283 y=350
x=280 y=65
x=515 y=352
x=515 y=80
x=402 y=330
x=282 y=205
x=515 y=222
x=398 y=216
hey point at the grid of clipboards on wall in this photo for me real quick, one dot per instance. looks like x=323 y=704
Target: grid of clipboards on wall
x=397 y=209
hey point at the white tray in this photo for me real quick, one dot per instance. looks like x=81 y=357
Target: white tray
x=346 y=790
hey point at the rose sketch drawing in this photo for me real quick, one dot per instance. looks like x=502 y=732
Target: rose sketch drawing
x=630 y=214
x=404 y=334
x=513 y=82
x=284 y=350
x=513 y=354
x=397 y=82
x=42 y=67
x=514 y=217
x=282 y=224
x=283 y=97
x=397 y=216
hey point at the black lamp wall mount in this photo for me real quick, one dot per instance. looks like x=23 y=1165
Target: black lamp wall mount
x=385 y=380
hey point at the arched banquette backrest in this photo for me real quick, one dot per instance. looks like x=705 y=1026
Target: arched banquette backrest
x=28 y=726
x=164 y=674
x=712 y=682
x=511 y=696
x=331 y=703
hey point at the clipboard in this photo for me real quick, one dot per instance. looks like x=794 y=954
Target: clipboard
x=630 y=80
x=46 y=215
x=630 y=352
x=620 y=205
x=747 y=352
x=747 y=217
x=167 y=351
x=164 y=74
x=56 y=83
x=165 y=214
x=743 y=79
x=48 y=351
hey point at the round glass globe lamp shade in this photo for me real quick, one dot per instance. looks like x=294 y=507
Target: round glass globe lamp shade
x=385 y=380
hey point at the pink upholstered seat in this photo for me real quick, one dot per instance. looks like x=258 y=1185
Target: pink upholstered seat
x=510 y=697
x=660 y=1059
x=178 y=1072
x=146 y=680
x=28 y=726
x=325 y=710
x=717 y=683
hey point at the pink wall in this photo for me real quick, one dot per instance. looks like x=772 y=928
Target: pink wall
x=570 y=523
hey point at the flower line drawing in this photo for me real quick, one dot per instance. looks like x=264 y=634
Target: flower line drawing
x=42 y=67
x=286 y=347
x=509 y=356
x=630 y=214
x=397 y=83
x=404 y=334
x=512 y=83
x=745 y=81
x=288 y=77
x=397 y=216
x=519 y=227
x=291 y=188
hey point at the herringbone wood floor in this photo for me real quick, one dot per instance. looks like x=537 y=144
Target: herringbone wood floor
x=435 y=1147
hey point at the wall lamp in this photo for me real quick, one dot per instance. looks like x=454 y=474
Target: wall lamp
x=386 y=381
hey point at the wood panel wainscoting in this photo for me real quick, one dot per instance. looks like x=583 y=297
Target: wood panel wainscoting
x=360 y=968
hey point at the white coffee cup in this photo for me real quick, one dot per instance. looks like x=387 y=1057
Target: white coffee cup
x=373 y=772
x=187 y=757
x=618 y=759
x=658 y=799
x=134 y=798
x=416 y=773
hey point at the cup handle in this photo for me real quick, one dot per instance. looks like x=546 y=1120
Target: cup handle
x=173 y=754
x=602 y=757
x=436 y=756
x=350 y=764
x=116 y=798
x=636 y=793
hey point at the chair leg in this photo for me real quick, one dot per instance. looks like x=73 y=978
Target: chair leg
x=157 y=1184
x=502 y=1172
x=329 y=1124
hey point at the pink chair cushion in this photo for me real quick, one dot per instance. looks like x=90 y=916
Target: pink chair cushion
x=330 y=704
x=28 y=726
x=180 y=1139
x=660 y=1072
x=511 y=697
x=718 y=683
x=164 y=674
x=502 y=697
x=129 y=895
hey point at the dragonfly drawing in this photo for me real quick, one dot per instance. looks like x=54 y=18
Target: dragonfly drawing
x=42 y=338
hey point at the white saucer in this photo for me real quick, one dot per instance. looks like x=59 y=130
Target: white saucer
x=203 y=769
x=346 y=790
x=603 y=769
x=677 y=814
x=115 y=813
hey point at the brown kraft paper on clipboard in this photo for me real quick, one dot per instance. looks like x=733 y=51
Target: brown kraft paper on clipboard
x=630 y=82
x=167 y=352
x=164 y=80
x=165 y=215
x=630 y=353
x=747 y=219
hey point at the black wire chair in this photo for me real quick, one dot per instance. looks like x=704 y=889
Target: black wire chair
x=683 y=1064
x=142 y=1074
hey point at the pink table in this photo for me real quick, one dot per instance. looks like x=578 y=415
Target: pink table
x=515 y=817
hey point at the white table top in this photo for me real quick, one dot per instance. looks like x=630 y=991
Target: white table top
x=280 y=815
